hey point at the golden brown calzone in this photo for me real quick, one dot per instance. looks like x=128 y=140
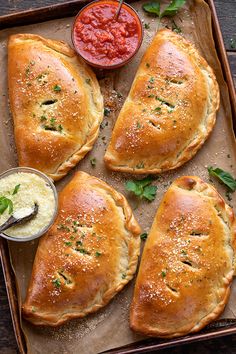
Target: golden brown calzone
x=188 y=262
x=55 y=101
x=169 y=112
x=88 y=255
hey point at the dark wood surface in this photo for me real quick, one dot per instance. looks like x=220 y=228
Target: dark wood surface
x=227 y=16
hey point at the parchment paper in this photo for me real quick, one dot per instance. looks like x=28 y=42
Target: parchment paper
x=109 y=327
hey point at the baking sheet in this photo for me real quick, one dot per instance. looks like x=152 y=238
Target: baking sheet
x=109 y=327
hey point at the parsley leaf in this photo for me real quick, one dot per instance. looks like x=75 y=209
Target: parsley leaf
x=150 y=193
x=152 y=7
x=4 y=204
x=143 y=236
x=142 y=189
x=224 y=177
x=57 y=88
x=16 y=189
x=232 y=43
x=173 y=8
x=107 y=111
x=56 y=283
x=93 y=162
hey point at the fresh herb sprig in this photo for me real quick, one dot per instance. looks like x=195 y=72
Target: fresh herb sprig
x=225 y=177
x=4 y=204
x=142 y=188
x=154 y=8
x=16 y=189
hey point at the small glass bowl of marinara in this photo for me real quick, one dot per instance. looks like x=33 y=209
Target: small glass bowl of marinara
x=103 y=40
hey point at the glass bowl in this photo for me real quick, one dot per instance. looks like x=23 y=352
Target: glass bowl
x=50 y=183
x=131 y=11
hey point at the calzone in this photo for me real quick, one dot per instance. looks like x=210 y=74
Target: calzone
x=188 y=262
x=55 y=101
x=88 y=255
x=169 y=112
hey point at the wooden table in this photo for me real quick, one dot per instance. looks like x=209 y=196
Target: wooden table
x=227 y=16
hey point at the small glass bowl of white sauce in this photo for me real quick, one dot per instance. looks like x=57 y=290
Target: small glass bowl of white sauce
x=20 y=189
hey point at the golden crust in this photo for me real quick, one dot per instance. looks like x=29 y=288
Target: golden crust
x=188 y=262
x=88 y=255
x=169 y=112
x=55 y=101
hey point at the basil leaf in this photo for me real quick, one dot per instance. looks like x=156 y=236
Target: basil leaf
x=152 y=7
x=224 y=177
x=16 y=189
x=4 y=204
x=10 y=206
x=173 y=8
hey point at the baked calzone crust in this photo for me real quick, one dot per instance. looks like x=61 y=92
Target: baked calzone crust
x=188 y=262
x=169 y=112
x=88 y=255
x=55 y=101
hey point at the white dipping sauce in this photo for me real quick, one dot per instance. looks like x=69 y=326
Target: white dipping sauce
x=32 y=190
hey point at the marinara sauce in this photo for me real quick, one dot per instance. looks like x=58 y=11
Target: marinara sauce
x=103 y=40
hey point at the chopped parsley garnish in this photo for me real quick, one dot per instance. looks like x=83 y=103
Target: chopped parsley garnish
x=157 y=110
x=16 y=189
x=82 y=250
x=60 y=128
x=63 y=227
x=97 y=254
x=107 y=111
x=51 y=125
x=163 y=274
x=151 y=80
x=123 y=276
x=165 y=102
x=57 y=88
x=88 y=81
x=224 y=177
x=184 y=252
x=146 y=25
x=232 y=43
x=138 y=125
x=142 y=188
x=68 y=243
x=4 y=204
x=79 y=243
x=143 y=236
x=27 y=71
x=93 y=161
x=56 y=283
